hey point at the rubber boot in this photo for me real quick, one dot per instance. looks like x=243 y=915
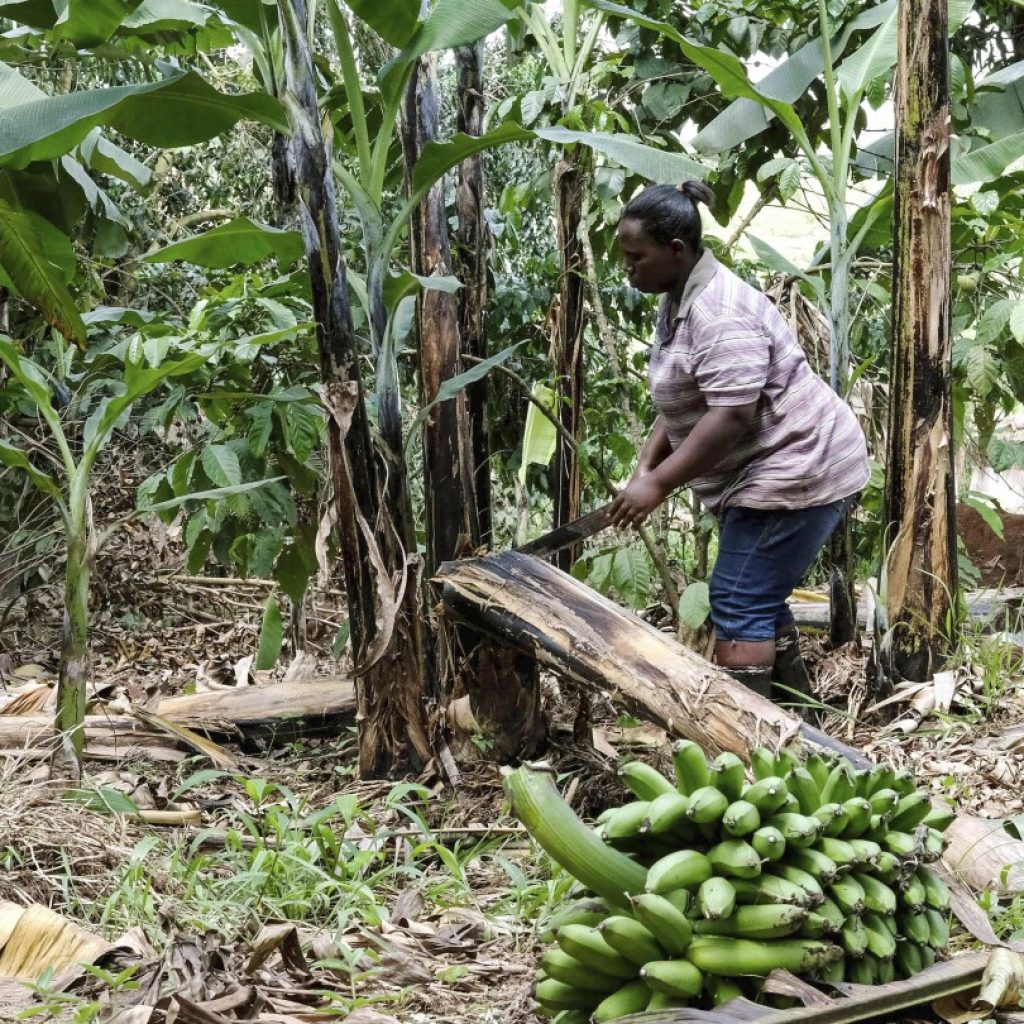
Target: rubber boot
x=791 y=671
x=755 y=677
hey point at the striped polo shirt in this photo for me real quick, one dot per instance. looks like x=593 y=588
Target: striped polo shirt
x=726 y=344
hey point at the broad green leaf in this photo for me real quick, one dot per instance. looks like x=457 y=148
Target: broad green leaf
x=38 y=281
x=773 y=167
x=1017 y=322
x=220 y=464
x=539 y=435
x=450 y=23
x=694 y=605
x=240 y=242
x=631 y=575
x=451 y=387
x=789 y=181
x=31 y=377
x=982 y=370
x=999 y=102
x=986 y=203
x=293 y=571
x=744 y=118
x=34 y=13
x=87 y=23
x=262 y=417
x=271 y=636
x=341 y=639
x=772 y=258
x=98 y=153
x=987 y=163
x=874 y=59
x=166 y=16
x=985 y=509
x=138 y=381
x=214 y=494
x=655 y=164
x=395 y=22
x=637 y=18
x=17 y=459
x=179 y=110
x=732 y=79
x=877 y=56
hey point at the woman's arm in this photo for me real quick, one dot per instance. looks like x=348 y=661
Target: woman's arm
x=716 y=434
x=657 y=448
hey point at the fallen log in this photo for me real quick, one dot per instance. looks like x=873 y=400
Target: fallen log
x=280 y=712
x=258 y=709
x=534 y=607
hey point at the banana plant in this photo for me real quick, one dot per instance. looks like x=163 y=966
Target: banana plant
x=67 y=484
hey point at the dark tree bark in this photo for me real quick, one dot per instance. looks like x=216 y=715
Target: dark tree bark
x=447 y=456
x=283 y=180
x=473 y=242
x=391 y=672
x=567 y=347
x=920 y=536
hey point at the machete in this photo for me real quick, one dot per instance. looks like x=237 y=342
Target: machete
x=571 y=533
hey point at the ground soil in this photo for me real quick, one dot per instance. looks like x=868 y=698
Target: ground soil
x=999 y=559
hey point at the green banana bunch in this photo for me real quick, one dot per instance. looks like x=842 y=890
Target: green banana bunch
x=709 y=882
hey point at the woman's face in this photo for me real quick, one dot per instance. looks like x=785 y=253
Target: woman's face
x=651 y=266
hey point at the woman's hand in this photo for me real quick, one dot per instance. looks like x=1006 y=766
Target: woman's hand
x=641 y=496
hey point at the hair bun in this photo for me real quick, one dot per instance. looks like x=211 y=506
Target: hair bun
x=697 y=192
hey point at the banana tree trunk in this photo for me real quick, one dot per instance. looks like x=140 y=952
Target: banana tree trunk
x=920 y=569
x=473 y=239
x=73 y=673
x=447 y=447
x=391 y=684
x=571 y=180
x=839 y=552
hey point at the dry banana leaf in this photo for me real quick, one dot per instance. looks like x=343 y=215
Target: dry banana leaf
x=214 y=751
x=34 y=939
x=1001 y=986
x=984 y=855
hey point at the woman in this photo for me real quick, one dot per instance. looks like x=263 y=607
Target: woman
x=762 y=441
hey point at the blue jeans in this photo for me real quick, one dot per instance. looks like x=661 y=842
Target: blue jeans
x=762 y=555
